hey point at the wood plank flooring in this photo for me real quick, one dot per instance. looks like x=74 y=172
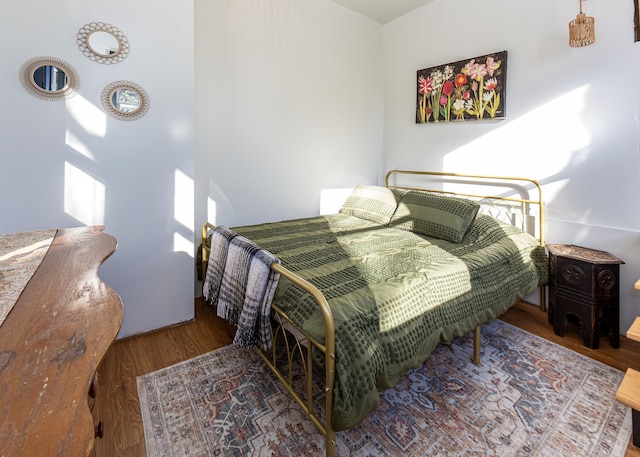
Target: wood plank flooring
x=117 y=400
x=117 y=394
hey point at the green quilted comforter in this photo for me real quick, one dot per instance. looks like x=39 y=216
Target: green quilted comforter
x=395 y=294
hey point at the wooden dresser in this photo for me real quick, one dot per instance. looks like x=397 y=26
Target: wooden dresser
x=51 y=344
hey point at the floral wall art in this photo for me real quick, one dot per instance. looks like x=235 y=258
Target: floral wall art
x=470 y=89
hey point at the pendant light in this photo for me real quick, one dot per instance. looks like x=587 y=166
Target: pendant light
x=582 y=30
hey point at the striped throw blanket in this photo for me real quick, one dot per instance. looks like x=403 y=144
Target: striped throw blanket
x=241 y=283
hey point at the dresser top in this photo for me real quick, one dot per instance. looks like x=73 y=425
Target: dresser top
x=581 y=253
x=51 y=343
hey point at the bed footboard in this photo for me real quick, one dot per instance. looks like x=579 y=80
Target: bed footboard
x=298 y=344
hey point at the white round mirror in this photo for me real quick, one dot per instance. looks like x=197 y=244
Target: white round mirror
x=49 y=78
x=102 y=43
x=125 y=100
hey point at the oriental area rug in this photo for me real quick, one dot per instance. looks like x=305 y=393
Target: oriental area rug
x=529 y=397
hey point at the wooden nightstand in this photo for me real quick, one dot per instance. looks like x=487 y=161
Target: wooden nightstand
x=584 y=283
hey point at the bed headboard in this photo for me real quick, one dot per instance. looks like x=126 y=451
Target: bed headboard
x=515 y=200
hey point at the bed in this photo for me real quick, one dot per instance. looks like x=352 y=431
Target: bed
x=367 y=293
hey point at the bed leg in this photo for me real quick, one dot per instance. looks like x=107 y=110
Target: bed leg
x=476 y=345
x=543 y=298
x=331 y=446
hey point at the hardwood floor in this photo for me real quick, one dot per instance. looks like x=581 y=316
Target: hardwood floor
x=117 y=400
x=117 y=395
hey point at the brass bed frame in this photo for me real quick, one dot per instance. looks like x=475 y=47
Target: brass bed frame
x=517 y=210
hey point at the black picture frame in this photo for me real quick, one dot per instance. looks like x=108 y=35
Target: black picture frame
x=469 y=89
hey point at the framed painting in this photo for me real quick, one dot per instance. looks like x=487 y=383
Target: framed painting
x=470 y=89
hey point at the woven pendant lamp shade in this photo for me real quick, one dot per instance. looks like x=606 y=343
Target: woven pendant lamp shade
x=582 y=30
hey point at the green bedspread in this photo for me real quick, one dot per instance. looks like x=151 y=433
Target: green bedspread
x=395 y=294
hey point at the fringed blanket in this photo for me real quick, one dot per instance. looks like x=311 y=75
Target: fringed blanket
x=241 y=283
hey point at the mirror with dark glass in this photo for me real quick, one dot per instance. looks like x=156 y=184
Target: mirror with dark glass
x=49 y=78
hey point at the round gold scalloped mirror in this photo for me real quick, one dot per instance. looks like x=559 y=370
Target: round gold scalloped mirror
x=125 y=100
x=102 y=43
x=49 y=78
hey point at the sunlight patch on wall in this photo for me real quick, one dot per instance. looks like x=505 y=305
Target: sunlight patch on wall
x=211 y=211
x=88 y=116
x=183 y=211
x=84 y=196
x=74 y=142
x=183 y=206
x=541 y=142
x=552 y=189
x=331 y=200
x=181 y=244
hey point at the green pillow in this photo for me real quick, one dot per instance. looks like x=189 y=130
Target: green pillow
x=437 y=216
x=372 y=203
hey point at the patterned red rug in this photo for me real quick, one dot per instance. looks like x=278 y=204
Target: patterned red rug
x=530 y=397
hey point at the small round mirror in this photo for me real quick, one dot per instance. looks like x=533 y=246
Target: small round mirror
x=103 y=43
x=125 y=100
x=50 y=78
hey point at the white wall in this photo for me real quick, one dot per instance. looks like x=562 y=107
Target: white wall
x=289 y=104
x=295 y=97
x=48 y=147
x=571 y=114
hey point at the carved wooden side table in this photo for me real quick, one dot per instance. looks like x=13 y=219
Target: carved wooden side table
x=584 y=283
